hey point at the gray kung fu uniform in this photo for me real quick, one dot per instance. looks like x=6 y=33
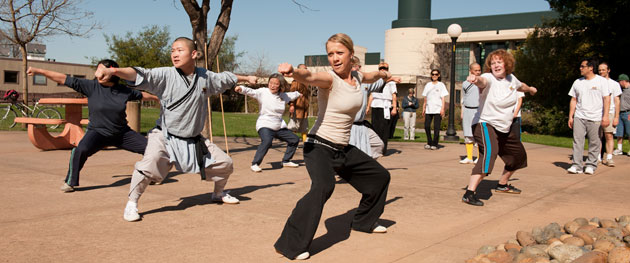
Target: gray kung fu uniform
x=182 y=116
x=470 y=107
x=362 y=136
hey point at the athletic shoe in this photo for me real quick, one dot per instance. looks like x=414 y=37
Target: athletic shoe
x=131 y=212
x=472 y=200
x=433 y=147
x=617 y=152
x=427 y=147
x=379 y=229
x=303 y=256
x=224 y=198
x=290 y=164
x=255 y=168
x=599 y=159
x=609 y=162
x=476 y=160
x=466 y=161
x=589 y=170
x=66 y=188
x=574 y=170
x=509 y=189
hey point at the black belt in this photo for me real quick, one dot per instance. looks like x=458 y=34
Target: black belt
x=321 y=141
x=364 y=123
x=623 y=111
x=467 y=107
x=200 y=150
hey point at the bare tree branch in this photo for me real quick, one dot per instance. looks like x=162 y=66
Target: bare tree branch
x=302 y=6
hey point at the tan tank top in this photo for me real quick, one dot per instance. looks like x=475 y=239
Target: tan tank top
x=337 y=107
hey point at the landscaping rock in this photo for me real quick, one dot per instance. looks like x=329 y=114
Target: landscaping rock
x=576 y=241
x=595 y=220
x=615 y=232
x=525 y=238
x=603 y=245
x=607 y=223
x=571 y=227
x=619 y=255
x=565 y=253
x=485 y=250
x=550 y=241
x=565 y=236
x=509 y=246
x=587 y=228
x=500 y=257
x=599 y=232
x=581 y=221
x=534 y=252
x=501 y=247
x=592 y=257
x=584 y=235
x=624 y=219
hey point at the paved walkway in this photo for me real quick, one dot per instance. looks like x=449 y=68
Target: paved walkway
x=426 y=220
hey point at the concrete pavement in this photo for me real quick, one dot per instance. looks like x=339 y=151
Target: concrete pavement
x=426 y=219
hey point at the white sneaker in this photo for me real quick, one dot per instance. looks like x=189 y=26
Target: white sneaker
x=255 y=168
x=466 y=161
x=66 y=188
x=599 y=159
x=303 y=256
x=427 y=147
x=589 y=170
x=379 y=229
x=131 y=212
x=574 y=170
x=290 y=164
x=617 y=152
x=609 y=162
x=225 y=198
x=475 y=161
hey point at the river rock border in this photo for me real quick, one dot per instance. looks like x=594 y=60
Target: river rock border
x=579 y=241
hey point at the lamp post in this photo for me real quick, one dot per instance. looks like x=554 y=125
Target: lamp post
x=454 y=30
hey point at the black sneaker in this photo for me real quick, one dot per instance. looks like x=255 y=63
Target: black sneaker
x=509 y=189
x=472 y=200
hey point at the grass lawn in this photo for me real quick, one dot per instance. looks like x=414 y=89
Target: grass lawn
x=244 y=125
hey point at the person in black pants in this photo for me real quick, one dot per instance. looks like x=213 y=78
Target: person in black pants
x=433 y=108
x=327 y=151
x=107 y=102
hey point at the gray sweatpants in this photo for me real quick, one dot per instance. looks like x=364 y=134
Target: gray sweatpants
x=584 y=128
x=155 y=165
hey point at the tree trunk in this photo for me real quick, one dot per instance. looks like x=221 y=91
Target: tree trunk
x=198 y=17
x=24 y=75
x=220 y=28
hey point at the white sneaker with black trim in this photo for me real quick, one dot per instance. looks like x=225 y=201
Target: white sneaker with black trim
x=574 y=170
x=290 y=164
x=466 y=161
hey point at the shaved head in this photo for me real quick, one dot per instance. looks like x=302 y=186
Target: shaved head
x=189 y=42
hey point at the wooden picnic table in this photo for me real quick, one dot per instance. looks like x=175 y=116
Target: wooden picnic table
x=73 y=121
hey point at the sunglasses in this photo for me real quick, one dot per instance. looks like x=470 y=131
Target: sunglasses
x=435 y=74
x=383 y=68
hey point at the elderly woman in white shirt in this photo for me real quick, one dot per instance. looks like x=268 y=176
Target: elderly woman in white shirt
x=272 y=101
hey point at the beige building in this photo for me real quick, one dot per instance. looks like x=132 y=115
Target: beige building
x=11 y=77
x=416 y=44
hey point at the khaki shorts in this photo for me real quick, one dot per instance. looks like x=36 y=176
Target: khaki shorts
x=609 y=128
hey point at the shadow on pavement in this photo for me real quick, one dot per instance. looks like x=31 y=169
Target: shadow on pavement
x=563 y=165
x=339 y=228
x=205 y=199
x=126 y=181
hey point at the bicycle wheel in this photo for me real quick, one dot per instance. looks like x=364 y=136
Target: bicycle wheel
x=49 y=113
x=7 y=117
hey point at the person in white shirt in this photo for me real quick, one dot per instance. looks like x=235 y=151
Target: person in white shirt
x=269 y=125
x=589 y=97
x=615 y=93
x=433 y=108
x=494 y=129
x=383 y=106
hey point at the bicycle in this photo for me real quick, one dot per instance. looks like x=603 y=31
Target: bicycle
x=9 y=112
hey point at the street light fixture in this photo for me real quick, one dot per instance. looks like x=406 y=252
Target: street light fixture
x=454 y=30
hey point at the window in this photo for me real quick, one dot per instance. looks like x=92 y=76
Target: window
x=39 y=79
x=462 y=59
x=11 y=77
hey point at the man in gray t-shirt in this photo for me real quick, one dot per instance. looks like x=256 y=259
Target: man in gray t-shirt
x=623 y=128
x=182 y=90
x=470 y=107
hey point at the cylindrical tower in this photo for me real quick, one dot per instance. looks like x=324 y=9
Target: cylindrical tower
x=413 y=13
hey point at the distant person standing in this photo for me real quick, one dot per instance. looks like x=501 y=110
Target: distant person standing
x=394 y=119
x=383 y=108
x=589 y=97
x=298 y=109
x=470 y=107
x=433 y=108
x=624 y=113
x=613 y=112
x=410 y=105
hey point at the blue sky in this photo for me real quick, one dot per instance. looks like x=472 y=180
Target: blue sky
x=276 y=29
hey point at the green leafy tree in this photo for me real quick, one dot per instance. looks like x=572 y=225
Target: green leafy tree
x=148 y=48
x=550 y=56
x=228 y=57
